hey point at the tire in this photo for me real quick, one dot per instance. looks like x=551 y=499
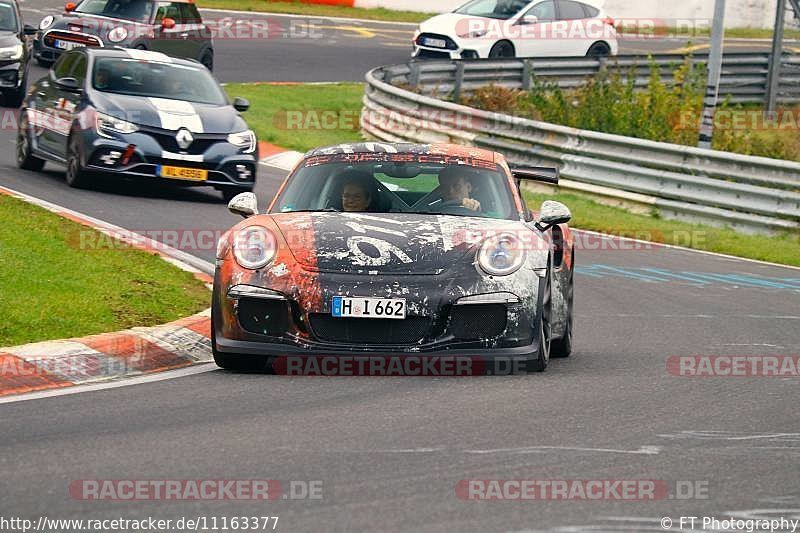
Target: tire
x=544 y=330
x=562 y=348
x=599 y=51
x=76 y=176
x=502 y=50
x=25 y=159
x=228 y=194
x=207 y=60
x=234 y=362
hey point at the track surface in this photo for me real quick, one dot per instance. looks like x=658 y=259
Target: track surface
x=389 y=452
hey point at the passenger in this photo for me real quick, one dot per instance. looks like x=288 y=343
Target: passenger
x=358 y=192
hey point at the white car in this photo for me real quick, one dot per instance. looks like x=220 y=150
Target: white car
x=518 y=28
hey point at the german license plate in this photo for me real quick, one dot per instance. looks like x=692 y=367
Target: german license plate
x=66 y=45
x=344 y=307
x=183 y=173
x=435 y=43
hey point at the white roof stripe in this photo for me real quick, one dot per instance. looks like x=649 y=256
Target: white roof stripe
x=147 y=55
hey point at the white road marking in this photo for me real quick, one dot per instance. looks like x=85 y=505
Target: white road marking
x=78 y=389
x=643 y=450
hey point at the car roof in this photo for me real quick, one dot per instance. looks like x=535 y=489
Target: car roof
x=456 y=150
x=142 y=55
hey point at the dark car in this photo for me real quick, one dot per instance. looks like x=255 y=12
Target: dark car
x=120 y=113
x=395 y=249
x=173 y=27
x=14 y=53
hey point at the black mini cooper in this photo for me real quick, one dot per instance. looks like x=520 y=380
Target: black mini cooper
x=173 y=27
x=121 y=113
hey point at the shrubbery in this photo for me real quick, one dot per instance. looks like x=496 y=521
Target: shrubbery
x=668 y=112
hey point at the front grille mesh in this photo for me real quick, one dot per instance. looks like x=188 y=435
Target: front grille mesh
x=370 y=331
x=478 y=321
x=86 y=40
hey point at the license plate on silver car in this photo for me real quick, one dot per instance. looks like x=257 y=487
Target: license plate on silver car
x=345 y=307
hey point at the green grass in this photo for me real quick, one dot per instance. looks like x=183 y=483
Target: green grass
x=300 y=8
x=590 y=215
x=300 y=117
x=53 y=287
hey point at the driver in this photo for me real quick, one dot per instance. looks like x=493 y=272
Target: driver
x=455 y=186
x=102 y=79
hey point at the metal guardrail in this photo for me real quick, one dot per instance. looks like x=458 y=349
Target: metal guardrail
x=752 y=194
x=744 y=75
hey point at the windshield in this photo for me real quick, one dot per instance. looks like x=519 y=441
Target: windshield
x=160 y=80
x=493 y=9
x=136 y=10
x=8 y=17
x=399 y=183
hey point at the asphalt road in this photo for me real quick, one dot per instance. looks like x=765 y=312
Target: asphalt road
x=390 y=452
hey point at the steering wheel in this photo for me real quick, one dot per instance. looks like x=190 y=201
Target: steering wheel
x=455 y=207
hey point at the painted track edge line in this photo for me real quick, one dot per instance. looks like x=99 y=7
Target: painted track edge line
x=197 y=368
x=684 y=249
x=320 y=17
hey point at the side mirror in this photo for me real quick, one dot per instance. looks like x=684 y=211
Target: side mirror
x=68 y=84
x=167 y=23
x=241 y=104
x=70 y=7
x=554 y=213
x=29 y=30
x=245 y=205
x=530 y=19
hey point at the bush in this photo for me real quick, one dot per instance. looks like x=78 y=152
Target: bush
x=667 y=110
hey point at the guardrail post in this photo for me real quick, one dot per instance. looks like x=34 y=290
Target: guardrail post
x=776 y=58
x=459 y=81
x=527 y=73
x=413 y=74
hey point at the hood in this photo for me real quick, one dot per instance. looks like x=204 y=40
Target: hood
x=169 y=114
x=8 y=38
x=391 y=243
x=451 y=24
x=91 y=25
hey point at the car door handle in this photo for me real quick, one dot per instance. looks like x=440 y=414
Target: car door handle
x=184 y=35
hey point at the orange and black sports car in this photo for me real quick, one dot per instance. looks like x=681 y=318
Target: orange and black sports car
x=396 y=249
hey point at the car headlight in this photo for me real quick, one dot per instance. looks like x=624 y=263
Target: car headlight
x=107 y=124
x=501 y=255
x=117 y=34
x=254 y=247
x=245 y=140
x=475 y=34
x=11 y=52
x=46 y=22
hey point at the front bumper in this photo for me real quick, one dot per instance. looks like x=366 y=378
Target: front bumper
x=443 y=317
x=225 y=164
x=11 y=75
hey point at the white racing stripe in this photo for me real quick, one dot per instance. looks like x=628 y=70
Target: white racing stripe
x=177 y=114
x=147 y=55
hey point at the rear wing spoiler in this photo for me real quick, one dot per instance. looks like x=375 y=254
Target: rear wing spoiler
x=549 y=175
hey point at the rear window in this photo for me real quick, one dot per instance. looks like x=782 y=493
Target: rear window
x=571 y=10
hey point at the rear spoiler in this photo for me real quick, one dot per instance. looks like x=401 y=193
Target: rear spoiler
x=543 y=174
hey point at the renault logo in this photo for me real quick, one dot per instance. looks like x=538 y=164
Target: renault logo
x=184 y=138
